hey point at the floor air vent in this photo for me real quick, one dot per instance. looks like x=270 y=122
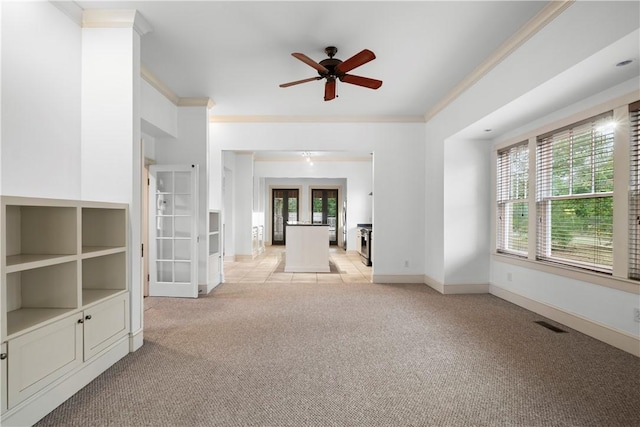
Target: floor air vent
x=550 y=326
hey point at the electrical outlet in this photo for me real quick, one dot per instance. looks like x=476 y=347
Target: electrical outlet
x=636 y=314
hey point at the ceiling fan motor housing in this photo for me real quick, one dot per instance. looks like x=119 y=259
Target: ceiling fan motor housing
x=330 y=64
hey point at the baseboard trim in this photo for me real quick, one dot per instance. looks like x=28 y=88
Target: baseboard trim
x=433 y=283
x=472 y=288
x=46 y=400
x=619 y=339
x=136 y=340
x=397 y=278
x=454 y=289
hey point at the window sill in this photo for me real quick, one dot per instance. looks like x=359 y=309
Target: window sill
x=619 y=283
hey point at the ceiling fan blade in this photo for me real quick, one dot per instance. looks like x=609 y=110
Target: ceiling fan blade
x=355 y=61
x=361 y=81
x=297 y=82
x=310 y=62
x=330 y=90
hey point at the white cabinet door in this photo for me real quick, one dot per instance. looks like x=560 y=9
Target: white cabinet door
x=104 y=324
x=39 y=357
x=173 y=231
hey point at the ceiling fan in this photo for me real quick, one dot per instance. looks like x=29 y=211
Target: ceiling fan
x=333 y=68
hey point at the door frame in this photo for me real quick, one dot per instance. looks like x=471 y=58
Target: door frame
x=269 y=223
x=338 y=207
x=340 y=222
x=145 y=224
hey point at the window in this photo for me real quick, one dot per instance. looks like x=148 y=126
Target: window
x=574 y=181
x=512 y=199
x=634 y=193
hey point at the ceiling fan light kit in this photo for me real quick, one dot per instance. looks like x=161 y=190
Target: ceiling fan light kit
x=333 y=68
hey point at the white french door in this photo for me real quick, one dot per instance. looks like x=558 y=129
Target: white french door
x=173 y=262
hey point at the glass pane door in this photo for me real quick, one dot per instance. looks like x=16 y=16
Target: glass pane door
x=173 y=231
x=325 y=211
x=285 y=209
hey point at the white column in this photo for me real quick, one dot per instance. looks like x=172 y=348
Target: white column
x=111 y=156
x=243 y=208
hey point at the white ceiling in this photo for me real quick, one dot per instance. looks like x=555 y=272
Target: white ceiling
x=238 y=52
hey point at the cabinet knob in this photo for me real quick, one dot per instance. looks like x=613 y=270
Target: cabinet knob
x=88 y=317
x=80 y=320
x=3 y=356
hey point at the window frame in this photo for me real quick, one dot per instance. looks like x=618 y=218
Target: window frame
x=546 y=145
x=619 y=279
x=634 y=191
x=504 y=205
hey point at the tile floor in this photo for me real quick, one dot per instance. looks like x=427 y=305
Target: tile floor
x=347 y=268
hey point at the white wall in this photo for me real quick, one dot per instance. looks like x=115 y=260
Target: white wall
x=40 y=101
x=467 y=190
x=108 y=140
x=434 y=202
x=228 y=192
x=243 y=208
x=455 y=249
x=527 y=68
x=398 y=176
x=159 y=115
x=191 y=147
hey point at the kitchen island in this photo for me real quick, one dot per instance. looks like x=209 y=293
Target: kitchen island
x=307 y=248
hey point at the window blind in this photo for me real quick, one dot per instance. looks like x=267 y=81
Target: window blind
x=574 y=200
x=634 y=193
x=512 y=194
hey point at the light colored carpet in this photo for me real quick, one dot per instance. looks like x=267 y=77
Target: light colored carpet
x=341 y=354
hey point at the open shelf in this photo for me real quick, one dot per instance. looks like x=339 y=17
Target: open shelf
x=107 y=272
x=40 y=294
x=103 y=227
x=39 y=233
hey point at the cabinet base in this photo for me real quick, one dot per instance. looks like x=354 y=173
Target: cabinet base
x=37 y=406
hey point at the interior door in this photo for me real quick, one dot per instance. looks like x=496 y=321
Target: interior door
x=173 y=231
x=325 y=211
x=285 y=208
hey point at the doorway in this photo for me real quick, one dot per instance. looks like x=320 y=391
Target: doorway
x=324 y=205
x=285 y=204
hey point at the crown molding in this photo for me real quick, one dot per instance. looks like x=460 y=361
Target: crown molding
x=316 y=119
x=552 y=10
x=195 y=102
x=115 y=18
x=158 y=84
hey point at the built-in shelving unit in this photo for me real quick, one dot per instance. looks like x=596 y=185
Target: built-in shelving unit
x=215 y=249
x=59 y=255
x=64 y=275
